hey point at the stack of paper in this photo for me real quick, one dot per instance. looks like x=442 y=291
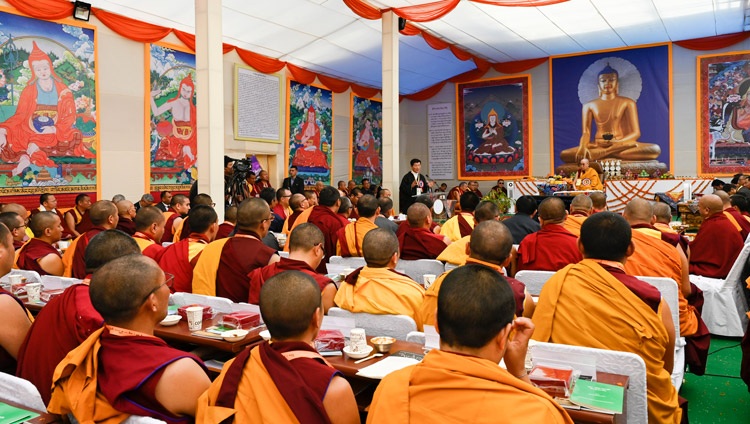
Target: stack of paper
x=386 y=366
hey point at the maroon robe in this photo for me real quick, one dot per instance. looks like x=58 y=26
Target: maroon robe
x=419 y=243
x=259 y=276
x=84 y=224
x=279 y=210
x=7 y=363
x=168 y=225
x=744 y=224
x=153 y=251
x=66 y=231
x=463 y=226
x=78 y=267
x=18 y=244
x=128 y=381
x=745 y=364
x=649 y=294
x=126 y=225
x=239 y=256
x=63 y=324
x=225 y=229
x=292 y=218
x=329 y=223
x=176 y=260
x=715 y=247
x=549 y=249
x=185 y=230
x=29 y=255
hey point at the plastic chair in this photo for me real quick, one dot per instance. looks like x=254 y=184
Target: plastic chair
x=53 y=282
x=137 y=419
x=416 y=337
x=615 y=362
x=219 y=304
x=20 y=391
x=31 y=276
x=724 y=300
x=397 y=326
x=418 y=268
x=534 y=280
x=353 y=262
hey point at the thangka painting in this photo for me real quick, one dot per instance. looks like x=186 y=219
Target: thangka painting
x=48 y=107
x=310 y=136
x=367 y=140
x=613 y=108
x=172 y=127
x=724 y=124
x=493 y=130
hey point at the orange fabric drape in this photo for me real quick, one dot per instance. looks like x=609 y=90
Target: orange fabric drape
x=44 y=9
x=189 y=40
x=365 y=92
x=301 y=75
x=519 y=3
x=518 y=66
x=262 y=63
x=363 y=9
x=426 y=12
x=131 y=28
x=334 y=84
x=713 y=43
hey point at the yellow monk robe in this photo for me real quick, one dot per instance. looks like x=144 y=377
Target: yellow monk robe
x=452 y=227
x=455 y=253
x=654 y=257
x=573 y=223
x=301 y=219
x=588 y=180
x=665 y=228
x=585 y=305
x=381 y=291
x=67 y=257
x=204 y=273
x=81 y=385
x=448 y=387
x=353 y=237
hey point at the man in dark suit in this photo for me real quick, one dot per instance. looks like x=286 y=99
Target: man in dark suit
x=413 y=184
x=165 y=200
x=293 y=183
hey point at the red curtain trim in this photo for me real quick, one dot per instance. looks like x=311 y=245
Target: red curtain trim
x=259 y=62
x=44 y=9
x=519 y=3
x=426 y=12
x=363 y=9
x=130 y=28
x=518 y=66
x=713 y=43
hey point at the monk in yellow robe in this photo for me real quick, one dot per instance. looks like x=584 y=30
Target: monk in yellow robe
x=594 y=303
x=456 y=253
x=285 y=381
x=462 y=382
x=350 y=238
x=149 y=229
x=461 y=224
x=587 y=178
x=580 y=209
x=376 y=288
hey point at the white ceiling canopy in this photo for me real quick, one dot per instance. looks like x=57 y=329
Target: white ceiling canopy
x=325 y=36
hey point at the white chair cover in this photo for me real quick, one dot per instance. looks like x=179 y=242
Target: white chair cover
x=397 y=326
x=534 y=280
x=20 y=391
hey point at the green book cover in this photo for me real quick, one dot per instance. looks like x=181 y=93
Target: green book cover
x=11 y=415
x=598 y=396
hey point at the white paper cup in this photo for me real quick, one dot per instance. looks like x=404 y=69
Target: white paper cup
x=195 y=318
x=15 y=279
x=427 y=280
x=357 y=340
x=34 y=291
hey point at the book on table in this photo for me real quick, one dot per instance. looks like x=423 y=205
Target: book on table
x=596 y=396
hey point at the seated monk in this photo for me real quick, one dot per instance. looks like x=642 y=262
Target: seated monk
x=179 y=259
x=22 y=212
x=580 y=208
x=324 y=216
x=126 y=212
x=298 y=202
x=69 y=318
x=182 y=229
x=224 y=264
x=522 y=223
x=457 y=252
x=717 y=244
x=48 y=203
x=103 y=217
x=230 y=220
x=456 y=192
x=462 y=379
x=345 y=209
x=349 y=238
x=179 y=206
x=461 y=224
x=742 y=205
x=102 y=380
x=415 y=239
x=663 y=216
x=305 y=253
x=733 y=215
x=617 y=127
x=17 y=226
x=490 y=246
x=553 y=247
x=386 y=211
x=376 y=288
x=77 y=218
x=149 y=229
x=655 y=257
x=39 y=254
x=285 y=381
x=594 y=303
x=587 y=178
x=16 y=319
x=598 y=201
x=354 y=197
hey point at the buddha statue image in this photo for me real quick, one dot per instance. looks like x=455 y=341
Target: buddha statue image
x=617 y=132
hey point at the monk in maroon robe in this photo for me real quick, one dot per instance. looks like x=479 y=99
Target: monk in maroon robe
x=553 y=247
x=717 y=244
x=324 y=217
x=415 y=240
x=104 y=217
x=39 y=254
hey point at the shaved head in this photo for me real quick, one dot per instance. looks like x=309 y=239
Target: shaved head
x=379 y=246
x=288 y=302
x=304 y=237
x=41 y=221
x=638 y=211
x=663 y=212
x=552 y=210
x=725 y=199
x=251 y=213
x=295 y=202
x=581 y=203
x=491 y=241
x=100 y=211
x=710 y=204
x=231 y=214
x=123 y=206
x=15 y=207
x=147 y=216
x=486 y=211
x=108 y=246
x=417 y=215
x=598 y=200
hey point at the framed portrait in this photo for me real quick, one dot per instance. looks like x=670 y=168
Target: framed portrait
x=723 y=113
x=612 y=106
x=309 y=144
x=494 y=128
x=172 y=127
x=366 y=145
x=49 y=134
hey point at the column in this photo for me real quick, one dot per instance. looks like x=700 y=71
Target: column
x=391 y=159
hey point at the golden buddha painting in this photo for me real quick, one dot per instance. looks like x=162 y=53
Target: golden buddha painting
x=612 y=106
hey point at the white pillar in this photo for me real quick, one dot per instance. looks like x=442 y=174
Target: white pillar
x=210 y=98
x=391 y=160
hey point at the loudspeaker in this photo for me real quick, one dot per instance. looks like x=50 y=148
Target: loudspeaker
x=511 y=187
x=401 y=24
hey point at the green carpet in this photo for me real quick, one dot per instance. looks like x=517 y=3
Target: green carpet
x=719 y=396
